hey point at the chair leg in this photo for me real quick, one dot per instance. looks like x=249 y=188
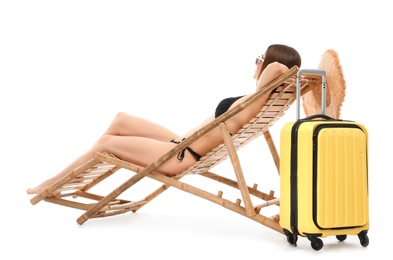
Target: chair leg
x=238 y=170
x=114 y=194
x=273 y=149
x=155 y=193
x=233 y=206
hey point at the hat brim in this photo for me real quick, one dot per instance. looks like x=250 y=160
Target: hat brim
x=335 y=88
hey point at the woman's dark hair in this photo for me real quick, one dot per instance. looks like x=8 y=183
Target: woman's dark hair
x=283 y=54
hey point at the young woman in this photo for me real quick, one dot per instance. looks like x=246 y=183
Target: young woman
x=141 y=141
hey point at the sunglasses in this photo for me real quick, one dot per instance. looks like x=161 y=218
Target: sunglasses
x=259 y=59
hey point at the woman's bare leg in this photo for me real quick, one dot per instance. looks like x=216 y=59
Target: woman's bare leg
x=123 y=125
x=79 y=161
x=128 y=125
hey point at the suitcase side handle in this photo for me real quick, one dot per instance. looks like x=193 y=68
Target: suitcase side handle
x=310 y=72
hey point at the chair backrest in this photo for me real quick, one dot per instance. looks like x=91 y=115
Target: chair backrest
x=280 y=100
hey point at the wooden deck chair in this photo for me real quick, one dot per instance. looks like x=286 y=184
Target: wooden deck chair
x=78 y=183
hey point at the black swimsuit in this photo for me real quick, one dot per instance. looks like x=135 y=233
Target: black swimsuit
x=225 y=104
x=222 y=107
x=180 y=155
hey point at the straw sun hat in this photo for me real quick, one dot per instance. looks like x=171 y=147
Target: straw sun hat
x=335 y=88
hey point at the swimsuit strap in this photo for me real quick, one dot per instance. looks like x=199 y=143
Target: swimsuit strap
x=180 y=155
x=196 y=155
x=176 y=142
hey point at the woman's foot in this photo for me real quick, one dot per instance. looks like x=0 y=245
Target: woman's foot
x=40 y=187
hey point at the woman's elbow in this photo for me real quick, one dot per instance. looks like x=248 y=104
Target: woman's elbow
x=279 y=68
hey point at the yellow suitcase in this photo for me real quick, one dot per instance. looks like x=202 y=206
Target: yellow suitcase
x=323 y=178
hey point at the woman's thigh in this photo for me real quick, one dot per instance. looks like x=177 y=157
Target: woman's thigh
x=143 y=151
x=129 y=125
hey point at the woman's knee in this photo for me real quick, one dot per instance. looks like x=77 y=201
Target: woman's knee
x=121 y=117
x=103 y=144
x=118 y=123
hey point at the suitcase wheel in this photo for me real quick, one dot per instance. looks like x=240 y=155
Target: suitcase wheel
x=291 y=238
x=316 y=243
x=341 y=237
x=363 y=238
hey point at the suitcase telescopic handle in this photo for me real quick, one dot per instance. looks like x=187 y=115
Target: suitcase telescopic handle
x=311 y=72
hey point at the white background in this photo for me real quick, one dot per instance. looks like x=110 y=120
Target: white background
x=67 y=67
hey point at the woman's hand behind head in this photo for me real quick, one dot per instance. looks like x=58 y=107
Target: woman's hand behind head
x=272 y=71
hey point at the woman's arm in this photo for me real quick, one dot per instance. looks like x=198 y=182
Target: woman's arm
x=272 y=71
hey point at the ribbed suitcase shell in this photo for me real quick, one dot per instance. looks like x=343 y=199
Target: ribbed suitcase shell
x=330 y=182
x=341 y=180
